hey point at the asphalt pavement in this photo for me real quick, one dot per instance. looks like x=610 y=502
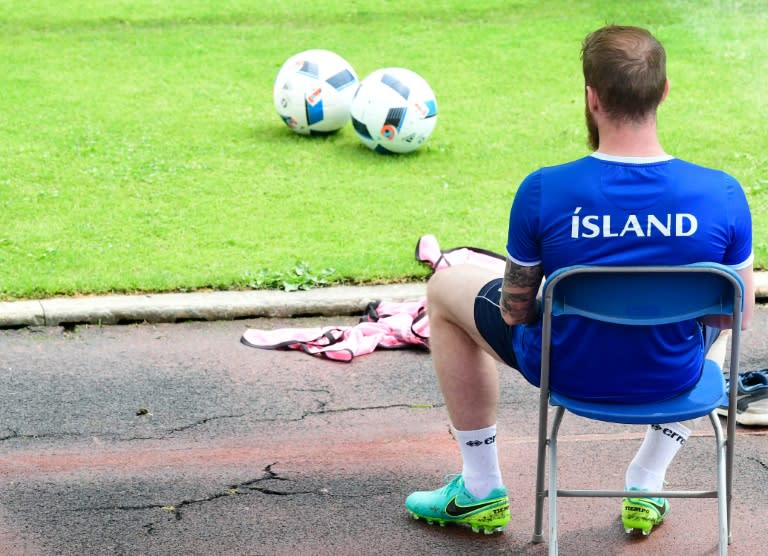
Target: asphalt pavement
x=141 y=425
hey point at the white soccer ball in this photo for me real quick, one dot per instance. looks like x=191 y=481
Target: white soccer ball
x=313 y=92
x=394 y=111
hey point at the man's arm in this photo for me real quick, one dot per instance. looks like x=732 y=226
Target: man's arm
x=748 y=277
x=723 y=322
x=518 y=293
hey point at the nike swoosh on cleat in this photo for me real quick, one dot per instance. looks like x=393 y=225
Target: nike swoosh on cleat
x=659 y=507
x=454 y=510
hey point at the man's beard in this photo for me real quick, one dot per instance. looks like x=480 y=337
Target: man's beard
x=593 y=135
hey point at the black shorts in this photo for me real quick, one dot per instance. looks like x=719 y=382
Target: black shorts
x=498 y=333
x=491 y=326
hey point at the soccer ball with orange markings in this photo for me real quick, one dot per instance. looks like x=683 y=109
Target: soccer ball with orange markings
x=313 y=92
x=394 y=111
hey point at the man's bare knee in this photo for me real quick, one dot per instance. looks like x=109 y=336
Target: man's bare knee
x=451 y=294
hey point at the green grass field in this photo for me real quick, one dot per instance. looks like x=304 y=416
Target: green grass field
x=141 y=152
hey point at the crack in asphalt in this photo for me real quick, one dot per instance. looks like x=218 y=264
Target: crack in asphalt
x=183 y=428
x=322 y=410
x=760 y=462
x=233 y=490
x=16 y=435
x=203 y=422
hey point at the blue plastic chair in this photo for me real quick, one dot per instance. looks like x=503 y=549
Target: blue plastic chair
x=641 y=296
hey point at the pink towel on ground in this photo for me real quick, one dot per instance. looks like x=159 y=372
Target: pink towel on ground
x=385 y=324
x=395 y=325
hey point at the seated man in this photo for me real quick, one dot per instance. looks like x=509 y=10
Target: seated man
x=628 y=203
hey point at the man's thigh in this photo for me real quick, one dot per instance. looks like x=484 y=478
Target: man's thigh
x=451 y=294
x=456 y=293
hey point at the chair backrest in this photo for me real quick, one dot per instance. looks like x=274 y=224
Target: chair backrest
x=639 y=295
x=644 y=295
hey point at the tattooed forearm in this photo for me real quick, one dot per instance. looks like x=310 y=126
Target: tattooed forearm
x=518 y=294
x=522 y=276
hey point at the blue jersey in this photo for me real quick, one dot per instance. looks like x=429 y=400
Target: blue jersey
x=605 y=210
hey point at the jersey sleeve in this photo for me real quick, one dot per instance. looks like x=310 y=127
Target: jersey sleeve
x=523 y=246
x=739 y=252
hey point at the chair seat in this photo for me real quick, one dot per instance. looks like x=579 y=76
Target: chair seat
x=706 y=395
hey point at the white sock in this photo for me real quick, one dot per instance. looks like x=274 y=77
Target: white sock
x=661 y=444
x=481 y=463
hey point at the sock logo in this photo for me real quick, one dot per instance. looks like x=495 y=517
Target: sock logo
x=487 y=441
x=670 y=433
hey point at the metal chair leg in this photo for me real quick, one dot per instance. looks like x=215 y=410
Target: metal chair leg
x=552 y=490
x=722 y=489
x=538 y=536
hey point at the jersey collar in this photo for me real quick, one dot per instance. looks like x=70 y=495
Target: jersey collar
x=632 y=159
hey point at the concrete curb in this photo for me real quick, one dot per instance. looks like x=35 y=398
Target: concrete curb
x=175 y=307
